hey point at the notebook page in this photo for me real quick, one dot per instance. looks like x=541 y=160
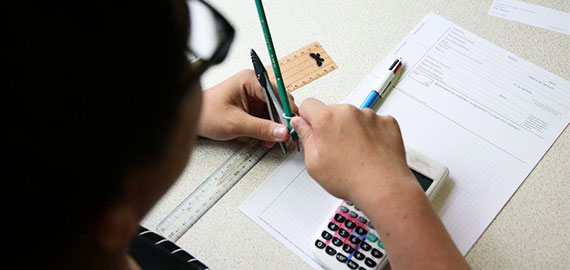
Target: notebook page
x=485 y=113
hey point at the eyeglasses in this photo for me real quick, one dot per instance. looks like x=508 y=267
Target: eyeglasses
x=210 y=36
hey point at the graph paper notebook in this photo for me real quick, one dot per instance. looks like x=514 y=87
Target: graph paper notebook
x=484 y=112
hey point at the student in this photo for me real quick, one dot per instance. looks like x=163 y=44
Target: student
x=99 y=119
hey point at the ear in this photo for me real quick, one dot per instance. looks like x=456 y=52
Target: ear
x=116 y=227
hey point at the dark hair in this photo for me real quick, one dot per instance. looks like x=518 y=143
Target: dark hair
x=93 y=88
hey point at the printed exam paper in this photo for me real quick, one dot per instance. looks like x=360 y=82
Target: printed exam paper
x=485 y=113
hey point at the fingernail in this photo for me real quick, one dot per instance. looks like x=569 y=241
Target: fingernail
x=268 y=144
x=279 y=132
x=297 y=124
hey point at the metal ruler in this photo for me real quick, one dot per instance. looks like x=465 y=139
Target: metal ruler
x=211 y=190
x=298 y=68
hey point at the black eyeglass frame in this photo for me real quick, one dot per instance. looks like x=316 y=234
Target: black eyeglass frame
x=201 y=65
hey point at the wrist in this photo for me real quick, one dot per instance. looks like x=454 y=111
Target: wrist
x=384 y=190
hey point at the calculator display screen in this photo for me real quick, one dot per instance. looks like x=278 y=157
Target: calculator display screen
x=424 y=181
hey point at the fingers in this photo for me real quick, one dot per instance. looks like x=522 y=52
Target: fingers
x=254 y=89
x=302 y=127
x=262 y=129
x=250 y=85
x=313 y=109
x=305 y=131
x=268 y=144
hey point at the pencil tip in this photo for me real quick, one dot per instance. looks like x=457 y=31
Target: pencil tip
x=297 y=145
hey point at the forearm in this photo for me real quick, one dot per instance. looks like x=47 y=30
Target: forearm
x=409 y=227
x=374 y=175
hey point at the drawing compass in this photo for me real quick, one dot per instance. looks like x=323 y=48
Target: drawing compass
x=274 y=106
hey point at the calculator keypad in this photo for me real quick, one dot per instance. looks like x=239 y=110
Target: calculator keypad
x=330 y=251
x=326 y=235
x=337 y=242
x=351 y=240
x=343 y=233
x=347 y=248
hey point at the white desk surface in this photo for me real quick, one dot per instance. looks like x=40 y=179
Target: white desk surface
x=533 y=229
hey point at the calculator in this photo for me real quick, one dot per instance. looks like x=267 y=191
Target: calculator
x=348 y=240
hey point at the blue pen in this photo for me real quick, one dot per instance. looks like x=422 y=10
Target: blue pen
x=378 y=92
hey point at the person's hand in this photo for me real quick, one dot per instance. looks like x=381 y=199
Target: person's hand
x=236 y=107
x=351 y=153
x=359 y=156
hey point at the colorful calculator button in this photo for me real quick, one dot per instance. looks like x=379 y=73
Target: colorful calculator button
x=380 y=244
x=351 y=239
x=371 y=237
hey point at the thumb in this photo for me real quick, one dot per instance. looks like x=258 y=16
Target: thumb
x=305 y=131
x=262 y=129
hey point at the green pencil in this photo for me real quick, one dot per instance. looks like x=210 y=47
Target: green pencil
x=276 y=69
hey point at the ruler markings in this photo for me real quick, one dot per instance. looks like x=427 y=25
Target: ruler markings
x=316 y=74
x=296 y=67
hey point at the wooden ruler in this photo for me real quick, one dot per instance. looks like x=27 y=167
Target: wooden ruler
x=300 y=68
